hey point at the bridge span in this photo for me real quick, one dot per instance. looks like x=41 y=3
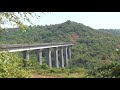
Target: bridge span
x=64 y=48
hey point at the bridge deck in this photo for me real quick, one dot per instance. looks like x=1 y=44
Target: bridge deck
x=24 y=47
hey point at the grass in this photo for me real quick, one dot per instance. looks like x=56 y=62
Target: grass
x=62 y=73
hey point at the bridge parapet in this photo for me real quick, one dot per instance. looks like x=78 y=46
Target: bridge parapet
x=10 y=46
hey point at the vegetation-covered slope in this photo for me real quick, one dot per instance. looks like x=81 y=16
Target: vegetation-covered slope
x=91 y=46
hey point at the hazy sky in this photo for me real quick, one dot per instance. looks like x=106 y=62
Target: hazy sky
x=95 y=20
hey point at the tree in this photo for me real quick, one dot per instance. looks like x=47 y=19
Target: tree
x=16 y=19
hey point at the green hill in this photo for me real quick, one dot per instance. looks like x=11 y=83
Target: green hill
x=90 y=45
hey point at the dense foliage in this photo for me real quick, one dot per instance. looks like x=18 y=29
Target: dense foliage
x=11 y=66
x=111 y=31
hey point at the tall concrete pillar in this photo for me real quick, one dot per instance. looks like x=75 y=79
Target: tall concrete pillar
x=61 y=57
x=26 y=55
x=39 y=56
x=56 y=57
x=69 y=52
x=49 y=62
x=66 y=55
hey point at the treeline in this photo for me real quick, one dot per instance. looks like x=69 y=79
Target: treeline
x=111 y=31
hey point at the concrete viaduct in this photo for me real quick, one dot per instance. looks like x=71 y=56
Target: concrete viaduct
x=65 y=52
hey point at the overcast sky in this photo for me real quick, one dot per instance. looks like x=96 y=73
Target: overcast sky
x=97 y=20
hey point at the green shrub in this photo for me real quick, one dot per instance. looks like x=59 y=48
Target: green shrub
x=11 y=66
x=32 y=65
x=106 y=71
x=44 y=66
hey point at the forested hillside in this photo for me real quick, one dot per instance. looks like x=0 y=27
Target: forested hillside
x=92 y=47
x=111 y=31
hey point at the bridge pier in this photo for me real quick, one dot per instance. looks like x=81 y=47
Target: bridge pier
x=69 y=52
x=49 y=62
x=56 y=57
x=61 y=57
x=39 y=56
x=26 y=55
x=66 y=55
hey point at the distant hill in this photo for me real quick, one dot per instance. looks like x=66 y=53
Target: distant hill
x=111 y=31
x=91 y=44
